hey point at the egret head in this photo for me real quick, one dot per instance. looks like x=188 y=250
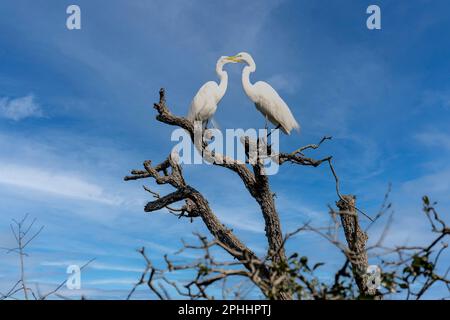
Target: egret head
x=243 y=57
x=223 y=60
x=226 y=59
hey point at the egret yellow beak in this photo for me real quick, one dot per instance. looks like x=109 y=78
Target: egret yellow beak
x=233 y=59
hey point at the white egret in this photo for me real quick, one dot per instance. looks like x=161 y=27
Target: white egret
x=266 y=99
x=205 y=102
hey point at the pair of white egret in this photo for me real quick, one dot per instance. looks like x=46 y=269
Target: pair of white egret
x=266 y=99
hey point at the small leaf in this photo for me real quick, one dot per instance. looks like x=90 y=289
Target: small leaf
x=404 y=285
x=304 y=260
x=293 y=256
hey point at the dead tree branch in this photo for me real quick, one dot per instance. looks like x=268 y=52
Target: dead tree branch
x=23 y=234
x=356 y=240
x=196 y=205
x=273 y=267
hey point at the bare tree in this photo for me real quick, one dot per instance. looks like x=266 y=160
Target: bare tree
x=24 y=233
x=409 y=272
x=276 y=275
x=270 y=273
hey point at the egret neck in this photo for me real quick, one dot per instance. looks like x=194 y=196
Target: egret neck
x=248 y=87
x=223 y=76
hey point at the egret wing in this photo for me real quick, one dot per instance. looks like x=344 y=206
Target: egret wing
x=270 y=104
x=204 y=103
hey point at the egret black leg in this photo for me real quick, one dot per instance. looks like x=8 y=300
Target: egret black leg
x=276 y=128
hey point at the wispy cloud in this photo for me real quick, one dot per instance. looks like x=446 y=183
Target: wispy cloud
x=244 y=219
x=56 y=183
x=436 y=184
x=436 y=98
x=284 y=82
x=434 y=139
x=19 y=108
x=94 y=265
x=244 y=223
x=112 y=281
x=69 y=172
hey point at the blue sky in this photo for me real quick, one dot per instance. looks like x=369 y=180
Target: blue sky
x=75 y=116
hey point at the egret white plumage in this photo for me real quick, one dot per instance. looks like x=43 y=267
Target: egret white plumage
x=205 y=102
x=266 y=99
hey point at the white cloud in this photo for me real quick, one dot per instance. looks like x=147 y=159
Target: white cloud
x=242 y=220
x=409 y=227
x=113 y=267
x=435 y=184
x=243 y=223
x=440 y=99
x=19 y=108
x=111 y=282
x=434 y=139
x=284 y=82
x=94 y=265
x=57 y=183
